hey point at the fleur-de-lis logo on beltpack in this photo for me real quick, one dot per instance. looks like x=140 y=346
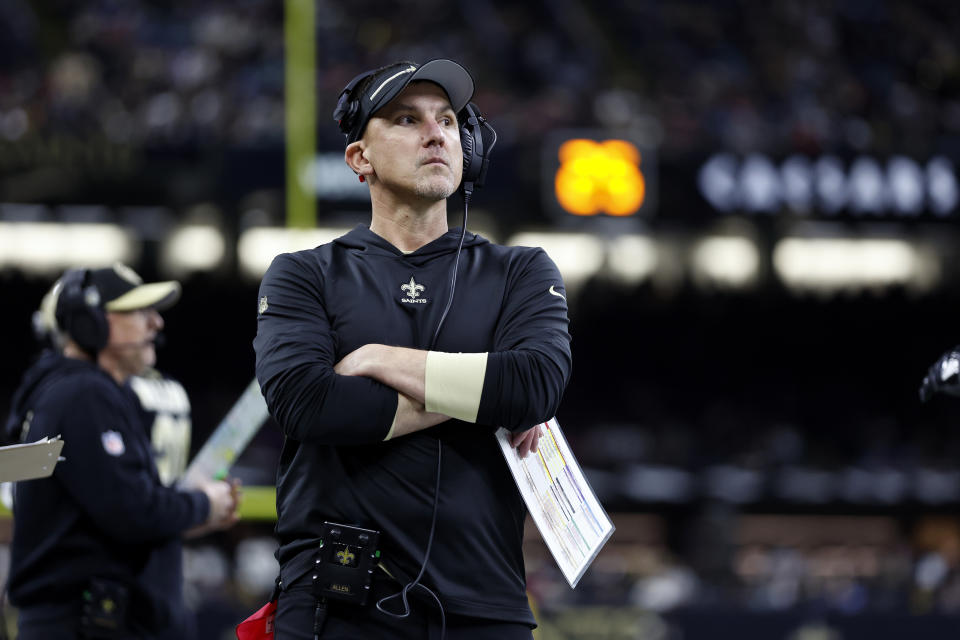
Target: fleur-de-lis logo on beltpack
x=412 y=288
x=345 y=556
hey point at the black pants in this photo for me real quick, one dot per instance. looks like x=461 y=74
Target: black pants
x=296 y=608
x=52 y=629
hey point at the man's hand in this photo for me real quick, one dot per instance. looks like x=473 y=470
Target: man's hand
x=224 y=498
x=411 y=417
x=358 y=362
x=526 y=442
x=399 y=368
x=943 y=376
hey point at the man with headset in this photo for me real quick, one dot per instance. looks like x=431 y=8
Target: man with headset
x=389 y=357
x=86 y=541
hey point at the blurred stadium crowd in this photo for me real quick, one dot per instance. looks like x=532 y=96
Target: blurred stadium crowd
x=763 y=452
x=776 y=77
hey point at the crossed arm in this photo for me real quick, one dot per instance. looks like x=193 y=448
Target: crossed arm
x=405 y=370
x=378 y=390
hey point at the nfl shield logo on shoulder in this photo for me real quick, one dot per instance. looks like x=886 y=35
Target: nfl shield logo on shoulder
x=113 y=443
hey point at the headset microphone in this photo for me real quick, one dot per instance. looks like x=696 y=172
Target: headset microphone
x=157 y=341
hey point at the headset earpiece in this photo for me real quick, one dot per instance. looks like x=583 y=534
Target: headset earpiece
x=347 y=107
x=80 y=313
x=471 y=139
x=345 y=112
x=476 y=149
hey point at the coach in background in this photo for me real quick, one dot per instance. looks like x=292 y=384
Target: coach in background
x=84 y=538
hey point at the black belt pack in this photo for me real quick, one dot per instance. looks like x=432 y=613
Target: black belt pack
x=105 y=611
x=340 y=569
x=344 y=562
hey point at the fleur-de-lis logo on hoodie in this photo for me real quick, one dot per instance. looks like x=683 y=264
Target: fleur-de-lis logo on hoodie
x=412 y=288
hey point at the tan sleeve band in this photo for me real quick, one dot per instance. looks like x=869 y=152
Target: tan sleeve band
x=454 y=383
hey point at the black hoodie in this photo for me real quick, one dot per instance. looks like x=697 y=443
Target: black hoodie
x=104 y=511
x=317 y=306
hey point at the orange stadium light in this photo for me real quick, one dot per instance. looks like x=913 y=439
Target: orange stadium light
x=599 y=177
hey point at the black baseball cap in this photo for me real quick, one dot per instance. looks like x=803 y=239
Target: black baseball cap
x=353 y=112
x=121 y=289
x=117 y=288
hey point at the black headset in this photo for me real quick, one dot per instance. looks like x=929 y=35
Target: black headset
x=80 y=312
x=348 y=106
x=476 y=149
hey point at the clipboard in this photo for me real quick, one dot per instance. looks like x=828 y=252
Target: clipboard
x=229 y=439
x=561 y=502
x=31 y=460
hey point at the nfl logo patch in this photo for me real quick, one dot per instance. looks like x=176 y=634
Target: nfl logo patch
x=113 y=443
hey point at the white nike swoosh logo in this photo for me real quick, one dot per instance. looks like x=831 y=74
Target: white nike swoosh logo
x=556 y=293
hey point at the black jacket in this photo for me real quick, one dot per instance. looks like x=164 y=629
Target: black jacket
x=316 y=307
x=104 y=511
